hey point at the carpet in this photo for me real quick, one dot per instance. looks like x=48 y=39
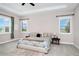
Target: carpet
x=25 y=52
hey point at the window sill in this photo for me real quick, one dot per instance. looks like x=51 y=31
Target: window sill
x=6 y=33
x=66 y=33
x=24 y=32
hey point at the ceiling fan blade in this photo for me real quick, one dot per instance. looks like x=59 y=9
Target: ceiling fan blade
x=32 y=4
x=29 y=3
x=23 y=4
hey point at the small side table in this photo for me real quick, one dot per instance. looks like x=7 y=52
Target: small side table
x=57 y=40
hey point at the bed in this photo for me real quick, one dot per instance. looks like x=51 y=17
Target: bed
x=40 y=44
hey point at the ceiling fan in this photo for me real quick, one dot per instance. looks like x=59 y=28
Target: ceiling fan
x=32 y=4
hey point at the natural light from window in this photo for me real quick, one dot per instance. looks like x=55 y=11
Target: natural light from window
x=65 y=24
x=5 y=24
x=24 y=25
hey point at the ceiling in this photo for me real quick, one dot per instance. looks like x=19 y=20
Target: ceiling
x=20 y=10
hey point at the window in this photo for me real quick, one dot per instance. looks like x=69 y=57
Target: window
x=5 y=24
x=24 y=26
x=65 y=24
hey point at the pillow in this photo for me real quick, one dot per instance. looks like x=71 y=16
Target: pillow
x=38 y=35
x=45 y=34
x=34 y=39
x=33 y=34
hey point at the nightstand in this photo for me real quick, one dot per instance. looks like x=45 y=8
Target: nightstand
x=56 y=40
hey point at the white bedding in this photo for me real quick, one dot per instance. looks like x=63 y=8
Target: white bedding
x=45 y=43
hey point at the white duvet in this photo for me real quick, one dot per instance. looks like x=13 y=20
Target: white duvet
x=45 y=43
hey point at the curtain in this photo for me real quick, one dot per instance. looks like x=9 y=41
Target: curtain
x=12 y=27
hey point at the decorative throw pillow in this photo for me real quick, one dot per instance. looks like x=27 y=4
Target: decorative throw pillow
x=38 y=35
x=45 y=34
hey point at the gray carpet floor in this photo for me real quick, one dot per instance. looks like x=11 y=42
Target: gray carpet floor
x=63 y=50
x=56 y=50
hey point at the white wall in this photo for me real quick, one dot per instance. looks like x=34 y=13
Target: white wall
x=47 y=22
x=76 y=28
x=39 y=22
x=5 y=37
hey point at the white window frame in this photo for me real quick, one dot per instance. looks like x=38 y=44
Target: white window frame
x=9 y=18
x=70 y=25
x=21 y=26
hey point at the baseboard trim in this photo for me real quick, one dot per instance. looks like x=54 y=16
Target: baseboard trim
x=66 y=43
x=70 y=44
x=76 y=46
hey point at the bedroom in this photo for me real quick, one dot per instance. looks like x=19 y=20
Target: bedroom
x=40 y=18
